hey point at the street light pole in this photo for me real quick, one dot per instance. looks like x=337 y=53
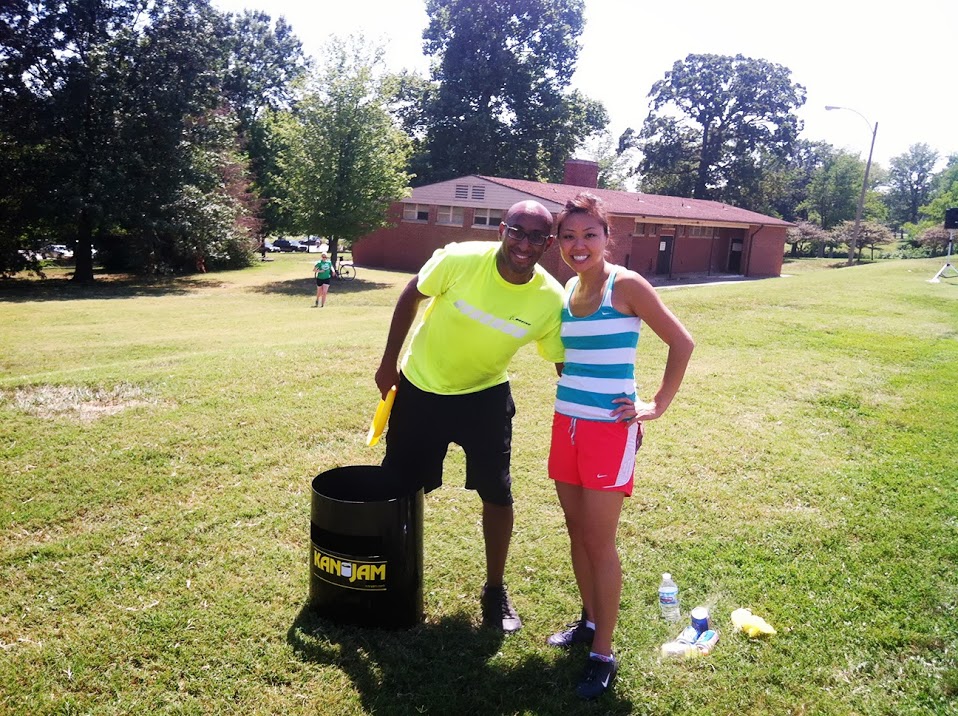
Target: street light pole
x=853 y=244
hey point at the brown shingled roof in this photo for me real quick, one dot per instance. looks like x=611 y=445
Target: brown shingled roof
x=653 y=206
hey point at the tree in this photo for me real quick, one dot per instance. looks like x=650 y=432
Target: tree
x=781 y=186
x=870 y=233
x=614 y=157
x=105 y=99
x=833 y=189
x=945 y=193
x=264 y=64
x=182 y=181
x=264 y=61
x=910 y=182
x=670 y=157
x=343 y=158
x=806 y=158
x=928 y=231
x=408 y=106
x=58 y=98
x=719 y=117
x=502 y=106
x=806 y=238
x=934 y=240
x=208 y=218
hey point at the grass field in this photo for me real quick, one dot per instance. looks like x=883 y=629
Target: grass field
x=158 y=441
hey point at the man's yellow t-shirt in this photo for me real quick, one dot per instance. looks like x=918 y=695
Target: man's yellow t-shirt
x=476 y=320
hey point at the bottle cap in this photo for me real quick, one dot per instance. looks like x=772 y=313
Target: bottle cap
x=666 y=575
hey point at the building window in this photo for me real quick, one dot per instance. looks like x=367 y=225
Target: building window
x=451 y=215
x=643 y=229
x=487 y=217
x=702 y=232
x=415 y=212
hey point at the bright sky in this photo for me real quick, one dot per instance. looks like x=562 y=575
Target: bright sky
x=894 y=64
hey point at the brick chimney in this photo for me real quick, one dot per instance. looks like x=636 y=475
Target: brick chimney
x=581 y=172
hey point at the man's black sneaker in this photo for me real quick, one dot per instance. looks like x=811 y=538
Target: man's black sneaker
x=597 y=679
x=497 y=610
x=577 y=633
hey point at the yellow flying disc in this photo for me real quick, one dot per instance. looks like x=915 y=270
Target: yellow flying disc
x=379 y=419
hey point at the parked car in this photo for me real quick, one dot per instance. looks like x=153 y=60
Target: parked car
x=270 y=248
x=56 y=251
x=288 y=245
x=316 y=244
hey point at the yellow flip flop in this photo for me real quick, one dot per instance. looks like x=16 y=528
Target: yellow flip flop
x=381 y=417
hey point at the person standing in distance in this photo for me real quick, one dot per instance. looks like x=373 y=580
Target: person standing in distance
x=597 y=427
x=488 y=299
x=323 y=271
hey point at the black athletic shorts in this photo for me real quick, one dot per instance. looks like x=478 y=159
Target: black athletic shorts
x=422 y=425
x=322 y=281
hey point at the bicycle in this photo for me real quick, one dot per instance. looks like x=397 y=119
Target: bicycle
x=345 y=271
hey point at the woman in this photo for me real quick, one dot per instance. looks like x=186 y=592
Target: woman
x=323 y=271
x=597 y=425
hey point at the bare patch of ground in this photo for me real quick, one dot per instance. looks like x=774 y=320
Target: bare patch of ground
x=80 y=402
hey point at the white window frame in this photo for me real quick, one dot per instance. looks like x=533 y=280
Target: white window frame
x=487 y=218
x=644 y=228
x=450 y=215
x=412 y=212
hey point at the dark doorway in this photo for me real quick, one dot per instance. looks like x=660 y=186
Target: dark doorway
x=664 y=264
x=735 y=257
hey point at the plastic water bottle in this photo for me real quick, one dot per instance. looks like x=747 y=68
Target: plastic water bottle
x=669 y=598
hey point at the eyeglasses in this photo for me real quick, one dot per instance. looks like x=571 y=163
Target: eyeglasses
x=536 y=238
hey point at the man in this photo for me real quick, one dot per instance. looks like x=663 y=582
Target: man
x=488 y=300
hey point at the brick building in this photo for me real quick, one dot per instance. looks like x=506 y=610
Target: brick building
x=663 y=236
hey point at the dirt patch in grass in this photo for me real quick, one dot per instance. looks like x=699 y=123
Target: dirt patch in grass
x=79 y=402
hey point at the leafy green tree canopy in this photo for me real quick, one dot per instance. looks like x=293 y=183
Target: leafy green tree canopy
x=502 y=106
x=264 y=66
x=834 y=188
x=805 y=238
x=712 y=118
x=264 y=62
x=910 y=183
x=107 y=99
x=871 y=234
x=616 y=158
x=929 y=230
x=945 y=194
x=343 y=158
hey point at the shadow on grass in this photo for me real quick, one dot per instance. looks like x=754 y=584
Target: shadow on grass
x=698 y=279
x=307 y=287
x=105 y=286
x=449 y=667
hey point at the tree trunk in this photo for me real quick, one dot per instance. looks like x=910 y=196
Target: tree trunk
x=333 y=249
x=83 y=253
x=699 y=191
